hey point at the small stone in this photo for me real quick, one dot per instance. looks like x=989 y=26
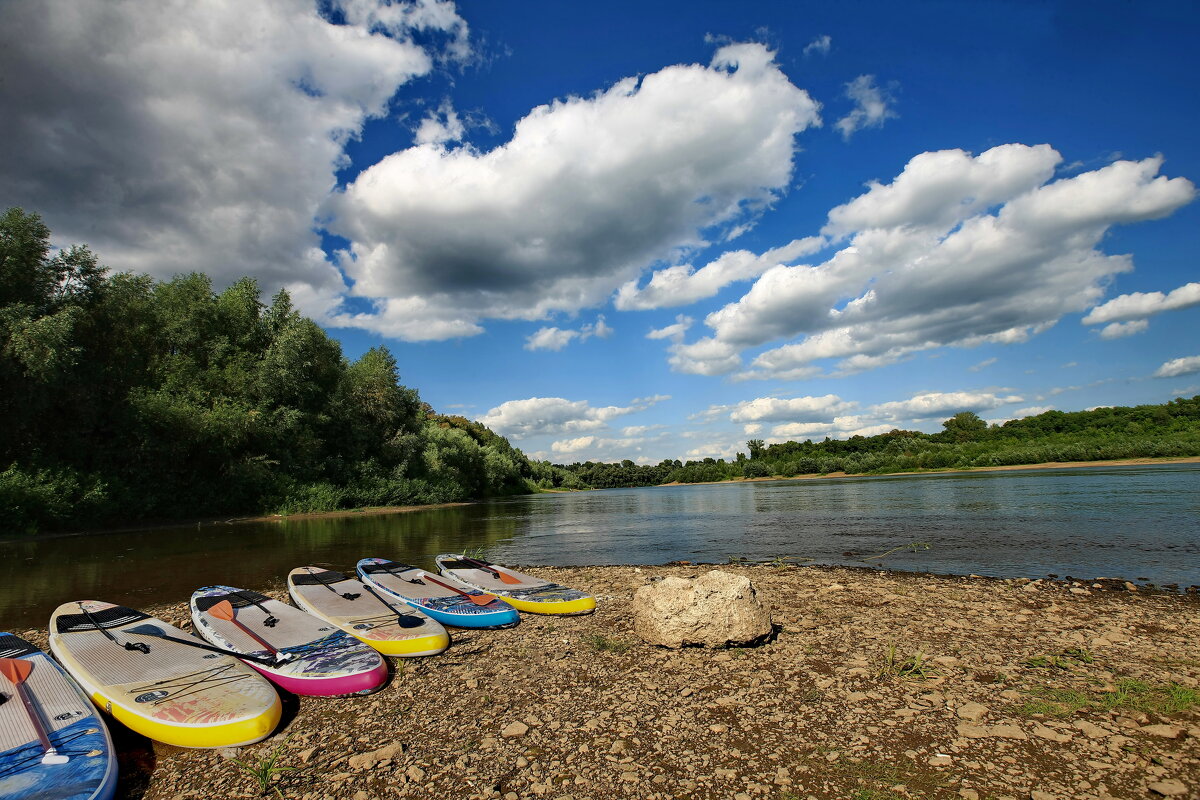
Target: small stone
x=1164 y=731
x=718 y=728
x=1090 y=730
x=1042 y=732
x=969 y=731
x=972 y=712
x=361 y=795
x=939 y=761
x=968 y=794
x=1168 y=788
x=514 y=730
x=1040 y=795
x=1007 y=732
x=946 y=661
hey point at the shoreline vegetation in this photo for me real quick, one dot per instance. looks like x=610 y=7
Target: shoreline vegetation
x=875 y=686
x=130 y=402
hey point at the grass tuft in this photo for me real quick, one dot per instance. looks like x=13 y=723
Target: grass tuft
x=893 y=664
x=266 y=769
x=605 y=644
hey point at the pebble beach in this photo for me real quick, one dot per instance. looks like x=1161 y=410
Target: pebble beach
x=875 y=685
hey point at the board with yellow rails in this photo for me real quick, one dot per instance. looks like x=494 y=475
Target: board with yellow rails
x=390 y=626
x=522 y=592
x=173 y=690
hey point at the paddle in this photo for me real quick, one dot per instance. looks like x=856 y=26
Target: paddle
x=346 y=595
x=159 y=633
x=504 y=577
x=141 y=647
x=402 y=619
x=477 y=599
x=224 y=610
x=17 y=670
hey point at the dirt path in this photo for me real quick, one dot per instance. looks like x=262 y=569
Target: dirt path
x=877 y=686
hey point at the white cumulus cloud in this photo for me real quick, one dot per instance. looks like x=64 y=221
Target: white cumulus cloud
x=942 y=404
x=201 y=135
x=1178 y=366
x=551 y=338
x=1138 y=306
x=536 y=416
x=795 y=409
x=586 y=193
x=1119 y=330
x=957 y=251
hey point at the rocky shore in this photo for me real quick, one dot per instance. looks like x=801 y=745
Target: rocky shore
x=876 y=685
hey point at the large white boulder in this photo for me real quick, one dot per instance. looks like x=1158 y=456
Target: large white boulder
x=716 y=609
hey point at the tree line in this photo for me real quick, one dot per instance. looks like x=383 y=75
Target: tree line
x=966 y=441
x=124 y=399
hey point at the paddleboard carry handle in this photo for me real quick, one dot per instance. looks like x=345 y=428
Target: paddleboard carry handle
x=17 y=670
x=271 y=621
x=347 y=595
x=140 y=647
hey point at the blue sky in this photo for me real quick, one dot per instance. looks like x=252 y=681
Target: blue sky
x=648 y=231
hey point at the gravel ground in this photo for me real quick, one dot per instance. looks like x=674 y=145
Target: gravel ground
x=876 y=685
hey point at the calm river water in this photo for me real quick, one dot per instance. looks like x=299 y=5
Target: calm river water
x=1138 y=523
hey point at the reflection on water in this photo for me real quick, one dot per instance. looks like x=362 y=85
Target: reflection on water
x=1130 y=522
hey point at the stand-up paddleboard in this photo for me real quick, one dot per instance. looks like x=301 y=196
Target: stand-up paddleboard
x=390 y=626
x=178 y=692
x=447 y=601
x=299 y=652
x=52 y=742
x=523 y=592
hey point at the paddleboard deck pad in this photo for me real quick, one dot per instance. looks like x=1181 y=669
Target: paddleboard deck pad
x=322 y=660
x=523 y=592
x=172 y=692
x=447 y=606
x=392 y=627
x=73 y=727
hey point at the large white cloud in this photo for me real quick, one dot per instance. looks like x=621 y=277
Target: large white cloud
x=199 y=135
x=537 y=416
x=586 y=194
x=956 y=251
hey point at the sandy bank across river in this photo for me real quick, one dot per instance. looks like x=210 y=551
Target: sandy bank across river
x=878 y=685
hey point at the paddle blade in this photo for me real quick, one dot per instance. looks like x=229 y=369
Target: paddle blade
x=15 y=669
x=506 y=578
x=223 y=610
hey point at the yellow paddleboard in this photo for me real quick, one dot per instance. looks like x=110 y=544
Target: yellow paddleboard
x=522 y=592
x=390 y=626
x=173 y=692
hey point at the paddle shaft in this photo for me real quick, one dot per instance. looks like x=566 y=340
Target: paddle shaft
x=17 y=671
x=35 y=718
x=225 y=610
x=200 y=646
x=399 y=614
x=500 y=576
x=473 y=598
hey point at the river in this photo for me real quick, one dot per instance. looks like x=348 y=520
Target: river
x=1139 y=523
